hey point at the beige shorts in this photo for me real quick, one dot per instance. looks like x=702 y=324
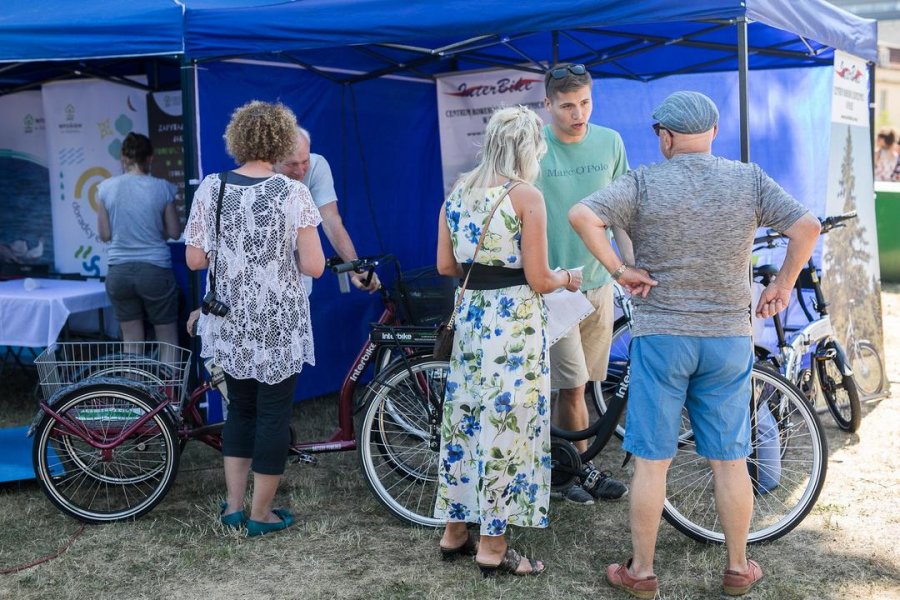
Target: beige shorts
x=583 y=354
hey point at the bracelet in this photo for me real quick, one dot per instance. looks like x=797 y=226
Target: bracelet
x=569 y=275
x=618 y=272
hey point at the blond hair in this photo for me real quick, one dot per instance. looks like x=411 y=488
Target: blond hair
x=261 y=131
x=513 y=147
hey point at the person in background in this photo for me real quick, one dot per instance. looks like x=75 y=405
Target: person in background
x=692 y=219
x=136 y=214
x=581 y=158
x=885 y=155
x=315 y=173
x=494 y=466
x=266 y=238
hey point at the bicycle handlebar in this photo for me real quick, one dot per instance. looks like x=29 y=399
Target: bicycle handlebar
x=359 y=265
x=828 y=223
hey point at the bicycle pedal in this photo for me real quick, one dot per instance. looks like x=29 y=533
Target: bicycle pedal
x=305 y=458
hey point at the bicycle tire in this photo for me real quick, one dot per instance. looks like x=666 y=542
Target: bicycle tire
x=778 y=508
x=96 y=487
x=838 y=388
x=397 y=454
x=868 y=369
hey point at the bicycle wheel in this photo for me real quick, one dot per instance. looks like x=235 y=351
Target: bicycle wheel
x=399 y=438
x=97 y=485
x=838 y=386
x=868 y=370
x=787 y=466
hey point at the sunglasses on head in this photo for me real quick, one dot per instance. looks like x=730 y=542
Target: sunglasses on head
x=657 y=127
x=560 y=72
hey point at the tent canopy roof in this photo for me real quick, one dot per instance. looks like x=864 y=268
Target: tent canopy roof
x=641 y=40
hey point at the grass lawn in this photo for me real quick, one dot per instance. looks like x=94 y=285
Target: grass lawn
x=345 y=545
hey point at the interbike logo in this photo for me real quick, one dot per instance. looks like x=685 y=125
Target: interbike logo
x=70 y=125
x=504 y=85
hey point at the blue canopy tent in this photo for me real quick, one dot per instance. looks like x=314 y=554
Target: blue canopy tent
x=358 y=74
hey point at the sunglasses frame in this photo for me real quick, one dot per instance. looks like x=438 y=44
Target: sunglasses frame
x=657 y=127
x=561 y=72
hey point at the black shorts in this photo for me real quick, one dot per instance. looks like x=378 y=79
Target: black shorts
x=137 y=289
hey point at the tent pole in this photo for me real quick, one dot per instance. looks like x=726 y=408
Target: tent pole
x=743 y=101
x=872 y=113
x=188 y=133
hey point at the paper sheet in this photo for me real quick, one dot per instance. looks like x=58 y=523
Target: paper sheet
x=565 y=310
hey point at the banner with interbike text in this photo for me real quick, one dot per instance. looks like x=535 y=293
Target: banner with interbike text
x=465 y=104
x=850 y=254
x=86 y=121
x=26 y=236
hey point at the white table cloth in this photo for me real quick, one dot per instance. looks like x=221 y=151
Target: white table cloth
x=35 y=318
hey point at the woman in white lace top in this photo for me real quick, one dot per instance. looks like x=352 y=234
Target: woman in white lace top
x=266 y=238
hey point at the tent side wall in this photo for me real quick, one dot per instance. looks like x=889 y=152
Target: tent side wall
x=380 y=138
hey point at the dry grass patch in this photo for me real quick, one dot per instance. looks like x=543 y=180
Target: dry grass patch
x=345 y=546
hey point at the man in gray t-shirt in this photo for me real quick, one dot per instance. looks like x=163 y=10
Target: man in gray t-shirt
x=692 y=220
x=315 y=173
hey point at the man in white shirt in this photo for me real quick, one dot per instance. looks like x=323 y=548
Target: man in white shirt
x=313 y=171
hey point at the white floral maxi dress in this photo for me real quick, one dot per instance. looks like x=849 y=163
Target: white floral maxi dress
x=495 y=435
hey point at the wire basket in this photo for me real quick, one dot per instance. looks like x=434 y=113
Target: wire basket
x=156 y=365
x=425 y=296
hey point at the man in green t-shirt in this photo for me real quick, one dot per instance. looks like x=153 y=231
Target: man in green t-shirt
x=581 y=159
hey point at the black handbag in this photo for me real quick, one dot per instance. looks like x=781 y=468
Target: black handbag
x=446 y=331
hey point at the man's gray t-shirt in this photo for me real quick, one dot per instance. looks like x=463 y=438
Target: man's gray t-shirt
x=135 y=204
x=692 y=220
x=321 y=185
x=320 y=181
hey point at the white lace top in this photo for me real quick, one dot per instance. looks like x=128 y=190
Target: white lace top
x=266 y=334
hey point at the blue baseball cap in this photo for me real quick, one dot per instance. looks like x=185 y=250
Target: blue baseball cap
x=687 y=112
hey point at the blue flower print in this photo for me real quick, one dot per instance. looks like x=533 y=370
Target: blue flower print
x=497 y=527
x=542 y=405
x=470 y=425
x=544 y=522
x=545 y=461
x=473 y=232
x=518 y=383
x=503 y=402
x=453 y=220
x=475 y=314
x=518 y=484
x=512 y=259
x=506 y=303
x=464 y=479
x=454 y=453
x=514 y=361
x=532 y=492
x=498 y=331
x=458 y=511
x=451 y=389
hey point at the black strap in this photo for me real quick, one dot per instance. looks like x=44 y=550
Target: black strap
x=223 y=177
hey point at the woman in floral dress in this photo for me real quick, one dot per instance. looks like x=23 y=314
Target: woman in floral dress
x=495 y=435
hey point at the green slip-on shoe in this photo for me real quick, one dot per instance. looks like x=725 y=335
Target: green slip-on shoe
x=255 y=528
x=235 y=520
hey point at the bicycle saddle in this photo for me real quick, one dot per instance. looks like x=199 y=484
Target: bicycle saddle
x=765 y=272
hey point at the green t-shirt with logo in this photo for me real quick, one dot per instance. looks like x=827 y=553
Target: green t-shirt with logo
x=569 y=173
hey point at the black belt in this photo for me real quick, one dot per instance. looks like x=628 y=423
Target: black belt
x=485 y=277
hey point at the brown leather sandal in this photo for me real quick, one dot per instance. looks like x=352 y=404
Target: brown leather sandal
x=510 y=565
x=468 y=548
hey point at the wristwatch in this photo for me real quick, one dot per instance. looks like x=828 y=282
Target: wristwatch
x=618 y=272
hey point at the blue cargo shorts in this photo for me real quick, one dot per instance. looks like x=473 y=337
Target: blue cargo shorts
x=708 y=375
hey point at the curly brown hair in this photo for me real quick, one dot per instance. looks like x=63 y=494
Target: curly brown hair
x=261 y=131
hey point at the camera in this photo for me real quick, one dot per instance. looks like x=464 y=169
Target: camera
x=213 y=306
